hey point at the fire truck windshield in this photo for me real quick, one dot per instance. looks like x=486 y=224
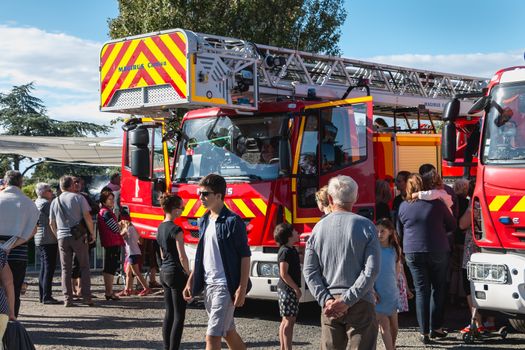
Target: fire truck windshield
x=239 y=148
x=504 y=132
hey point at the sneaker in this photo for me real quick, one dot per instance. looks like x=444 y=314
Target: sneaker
x=424 y=339
x=68 y=303
x=145 y=292
x=88 y=302
x=479 y=329
x=51 y=301
x=434 y=334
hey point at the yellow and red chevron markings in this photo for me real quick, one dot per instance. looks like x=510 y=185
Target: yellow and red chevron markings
x=246 y=208
x=514 y=204
x=154 y=60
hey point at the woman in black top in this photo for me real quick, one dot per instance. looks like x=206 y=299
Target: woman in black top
x=174 y=270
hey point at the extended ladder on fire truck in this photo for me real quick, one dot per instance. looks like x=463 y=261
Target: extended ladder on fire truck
x=154 y=73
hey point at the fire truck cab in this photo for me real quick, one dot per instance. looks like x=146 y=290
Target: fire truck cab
x=497 y=271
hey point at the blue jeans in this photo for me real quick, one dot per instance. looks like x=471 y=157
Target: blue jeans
x=48 y=263
x=429 y=271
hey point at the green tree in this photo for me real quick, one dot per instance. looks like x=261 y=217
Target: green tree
x=308 y=25
x=23 y=114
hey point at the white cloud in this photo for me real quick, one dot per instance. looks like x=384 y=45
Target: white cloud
x=63 y=67
x=51 y=60
x=475 y=64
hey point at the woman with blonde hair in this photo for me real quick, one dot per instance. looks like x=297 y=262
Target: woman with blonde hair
x=423 y=226
x=321 y=198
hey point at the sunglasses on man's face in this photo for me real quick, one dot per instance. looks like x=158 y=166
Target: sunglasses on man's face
x=205 y=193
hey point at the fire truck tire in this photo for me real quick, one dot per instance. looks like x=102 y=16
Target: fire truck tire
x=517 y=324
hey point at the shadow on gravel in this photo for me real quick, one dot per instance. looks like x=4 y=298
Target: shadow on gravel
x=309 y=313
x=249 y=345
x=75 y=332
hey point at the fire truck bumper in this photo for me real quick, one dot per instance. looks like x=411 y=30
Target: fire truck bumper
x=498 y=282
x=264 y=275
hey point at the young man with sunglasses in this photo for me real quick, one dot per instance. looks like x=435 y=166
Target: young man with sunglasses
x=222 y=264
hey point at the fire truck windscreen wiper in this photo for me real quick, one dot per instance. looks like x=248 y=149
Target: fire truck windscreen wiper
x=242 y=177
x=189 y=179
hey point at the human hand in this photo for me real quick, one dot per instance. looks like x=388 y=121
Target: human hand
x=410 y=295
x=298 y=293
x=92 y=238
x=12 y=316
x=186 y=294
x=240 y=296
x=327 y=306
x=415 y=195
x=336 y=309
x=377 y=298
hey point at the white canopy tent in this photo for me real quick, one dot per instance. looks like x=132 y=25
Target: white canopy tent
x=91 y=150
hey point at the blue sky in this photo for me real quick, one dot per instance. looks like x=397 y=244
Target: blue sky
x=56 y=43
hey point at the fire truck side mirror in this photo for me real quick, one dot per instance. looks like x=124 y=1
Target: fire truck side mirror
x=451 y=110
x=480 y=105
x=140 y=156
x=448 y=141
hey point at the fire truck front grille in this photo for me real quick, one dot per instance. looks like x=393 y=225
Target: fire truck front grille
x=149 y=95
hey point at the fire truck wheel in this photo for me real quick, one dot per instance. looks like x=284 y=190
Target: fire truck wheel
x=518 y=324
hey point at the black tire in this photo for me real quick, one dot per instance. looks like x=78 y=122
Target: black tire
x=468 y=338
x=517 y=324
x=503 y=333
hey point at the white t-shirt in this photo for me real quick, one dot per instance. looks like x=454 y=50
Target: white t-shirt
x=132 y=242
x=213 y=268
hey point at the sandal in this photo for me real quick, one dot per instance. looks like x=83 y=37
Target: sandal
x=112 y=297
x=123 y=293
x=145 y=292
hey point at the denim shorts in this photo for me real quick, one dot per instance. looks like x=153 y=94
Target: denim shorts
x=220 y=309
x=134 y=259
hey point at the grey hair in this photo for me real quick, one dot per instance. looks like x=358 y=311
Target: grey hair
x=343 y=190
x=13 y=178
x=41 y=188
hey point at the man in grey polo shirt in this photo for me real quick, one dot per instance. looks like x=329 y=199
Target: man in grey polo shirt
x=341 y=264
x=64 y=215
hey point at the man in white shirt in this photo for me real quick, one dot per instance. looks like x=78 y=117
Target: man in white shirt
x=223 y=278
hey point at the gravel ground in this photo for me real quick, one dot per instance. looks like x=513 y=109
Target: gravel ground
x=135 y=323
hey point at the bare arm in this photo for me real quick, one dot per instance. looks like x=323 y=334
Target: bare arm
x=186 y=293
x=89 y=223
x=465 y=221
x=7 y=281
x=182 y=253
x=285 y=276
x=53 y=227
x=240 y=294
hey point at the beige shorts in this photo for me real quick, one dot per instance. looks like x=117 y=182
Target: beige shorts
x=220 y=309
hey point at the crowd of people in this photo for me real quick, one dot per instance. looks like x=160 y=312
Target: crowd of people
x=353 y=267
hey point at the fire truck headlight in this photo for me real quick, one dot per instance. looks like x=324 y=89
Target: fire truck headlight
x=487 y=273
x=266 y=269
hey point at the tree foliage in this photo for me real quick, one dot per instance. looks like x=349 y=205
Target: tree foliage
x=23 y=114
x=307 y=25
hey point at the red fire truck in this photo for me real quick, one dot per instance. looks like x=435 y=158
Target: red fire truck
x=279 y=124
x=497 y=273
